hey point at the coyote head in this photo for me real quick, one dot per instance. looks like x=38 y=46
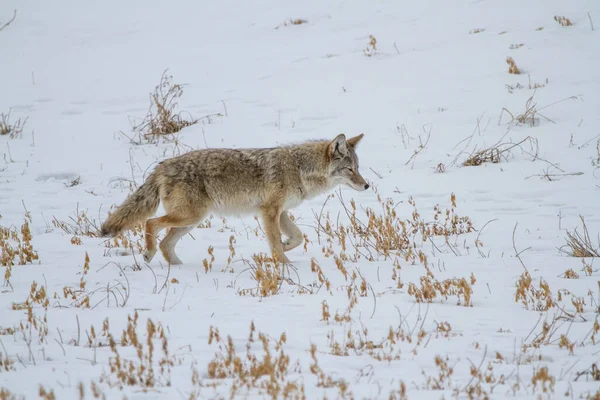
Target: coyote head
x=343 y=168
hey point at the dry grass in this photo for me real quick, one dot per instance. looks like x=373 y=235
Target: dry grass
x=292 y=21
x=79 y=224
x=430 y=288
x=563 y=21
x=384 y=234
x=542 y=380
x=162 y=119
x=371 y=48
x=12 y=129
x=580 y=244
x=16 y=247
x=143 y=372
x=537 y=299
x=476 y=30
x=498 y=152
x=268 y=371
x=512 y=66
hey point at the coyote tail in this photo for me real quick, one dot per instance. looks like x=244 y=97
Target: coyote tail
x=138 y=207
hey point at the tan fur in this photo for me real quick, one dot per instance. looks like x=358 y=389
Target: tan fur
x=237 y=181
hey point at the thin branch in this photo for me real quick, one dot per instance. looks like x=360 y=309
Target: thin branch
x=15 y=15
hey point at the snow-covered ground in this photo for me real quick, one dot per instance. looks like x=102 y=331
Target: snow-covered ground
x=434 y=90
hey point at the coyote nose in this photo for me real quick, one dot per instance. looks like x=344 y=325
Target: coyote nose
x=366 y=186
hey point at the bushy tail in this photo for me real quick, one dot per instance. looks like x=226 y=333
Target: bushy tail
x=138 y=207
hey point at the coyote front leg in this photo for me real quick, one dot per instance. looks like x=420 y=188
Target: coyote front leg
x=270 y=216
x=289 y=228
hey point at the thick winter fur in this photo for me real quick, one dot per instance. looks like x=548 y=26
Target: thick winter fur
x=237 y=181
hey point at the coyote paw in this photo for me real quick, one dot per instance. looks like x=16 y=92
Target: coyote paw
x=173 y=260
x=282 y=259
x=149 y=255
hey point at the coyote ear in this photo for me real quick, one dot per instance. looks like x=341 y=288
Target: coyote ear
x=352 y=142
x=338 y=146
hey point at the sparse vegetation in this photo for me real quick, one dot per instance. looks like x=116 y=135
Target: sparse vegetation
x=292 y=21
x=371 y=49
x=162 y=119
x=563 y=21
x=14 y=129
x=581 y=244
x=16 y=246
x=269 y=371
x=512 y=66
x=143 y=372
x=498 y=152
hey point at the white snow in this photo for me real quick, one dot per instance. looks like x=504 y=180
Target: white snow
x=80 y=71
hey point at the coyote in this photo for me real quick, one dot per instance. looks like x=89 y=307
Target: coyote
x=268 y=181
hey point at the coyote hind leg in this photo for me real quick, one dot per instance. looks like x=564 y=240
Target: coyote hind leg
x=179 y=224
x=167 y=245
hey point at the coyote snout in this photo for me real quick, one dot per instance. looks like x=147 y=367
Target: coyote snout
x=235 y=181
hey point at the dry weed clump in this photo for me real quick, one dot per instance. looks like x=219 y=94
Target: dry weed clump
x=268 y=371
x=325 y=380
x=143 y=372
x=115 y=293
x=430 y=289
x=12 y=129
x=563 y=21
x=80 y=297
x=476 y=31
x=391 y=347
x=6 y=364
x=33 y=324
x=384 y=234
x=267 y=274
x=443 y=380
x=580 y=244
x=162 y=121
x=512 y=66
x=540 y=299
x=46 y=394
x=498 y=152
x=6 y=394
x=79 y=225
x=542 y=380
x=292 y=21
x=16 y=247
x=531 y=113
x=371 y=49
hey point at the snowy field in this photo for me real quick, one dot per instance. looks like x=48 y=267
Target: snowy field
x=450 y=278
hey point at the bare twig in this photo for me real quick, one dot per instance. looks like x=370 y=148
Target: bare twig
x=15 y=15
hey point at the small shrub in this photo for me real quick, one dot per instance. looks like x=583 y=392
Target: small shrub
x=12 y=129
x=292 y=21
x=16 y=247
x=496 y=153
x=512 y=66
x=580 y=244
x=537 y=299
x=162 y=119
x=143 y=372
x=371 y=49
x=268 y=372
x=563 y=21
